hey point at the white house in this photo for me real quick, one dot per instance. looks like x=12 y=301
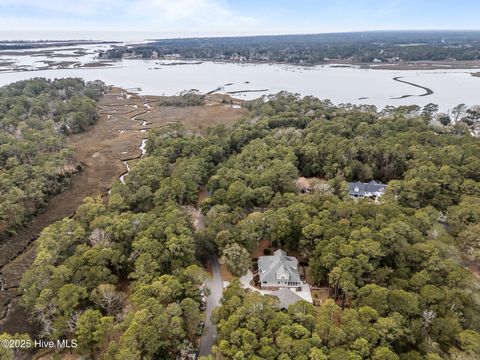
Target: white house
x=278 y=270
x=371 y=189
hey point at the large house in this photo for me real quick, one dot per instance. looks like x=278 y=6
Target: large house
x=278 y=271
x=371 y=189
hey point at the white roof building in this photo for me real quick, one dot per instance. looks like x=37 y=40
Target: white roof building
x=278 y=270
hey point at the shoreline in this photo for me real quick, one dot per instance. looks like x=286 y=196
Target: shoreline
x=52 y=49
x=56 y=62
x=401 y=66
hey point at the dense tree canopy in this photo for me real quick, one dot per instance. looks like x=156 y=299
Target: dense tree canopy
x=35 y=162
x=398 y=290
x=387 y=46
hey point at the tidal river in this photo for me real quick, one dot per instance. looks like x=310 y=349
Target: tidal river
x=340 y=84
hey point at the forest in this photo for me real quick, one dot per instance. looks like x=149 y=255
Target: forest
x=124 y=276
x=184 y=99
x=361 y=47
x=35 y=162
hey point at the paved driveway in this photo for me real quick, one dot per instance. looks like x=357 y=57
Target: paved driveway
x=215 y=285
x=304 y=294
x=216 y=290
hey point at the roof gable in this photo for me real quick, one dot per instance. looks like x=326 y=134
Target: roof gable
x=278 y=267
x=359 y=188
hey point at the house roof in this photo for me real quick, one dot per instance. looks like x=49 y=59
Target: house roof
x=277 y=267
x=303 y=183
x=286 y=297
x=361 y=189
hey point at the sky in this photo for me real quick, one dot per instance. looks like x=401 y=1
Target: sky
x=181 y=18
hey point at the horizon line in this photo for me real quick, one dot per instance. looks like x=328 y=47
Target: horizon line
x=205 y=35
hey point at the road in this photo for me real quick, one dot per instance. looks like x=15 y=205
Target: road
x=215 y=284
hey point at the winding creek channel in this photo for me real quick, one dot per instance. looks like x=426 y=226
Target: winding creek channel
x=100 y=154
x=104 y=154
x=143 y=145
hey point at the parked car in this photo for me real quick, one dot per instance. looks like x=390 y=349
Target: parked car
x=200 y=327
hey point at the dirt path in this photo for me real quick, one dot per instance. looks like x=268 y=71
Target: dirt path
x=101 y=151
x=471 y=265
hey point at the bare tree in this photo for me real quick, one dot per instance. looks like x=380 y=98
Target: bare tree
x=100 y=237
x=46 y=323
x=108 y=298
x=322 y=187
x=458 y=112
x=428 y=317
x=73 y=320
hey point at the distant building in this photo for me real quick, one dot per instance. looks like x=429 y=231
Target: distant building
x=304 y=185
x=278 y=271
x=313 y=185
x=371 y=189
x=171 y=56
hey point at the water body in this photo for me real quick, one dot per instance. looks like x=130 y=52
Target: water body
x=127 y=167
x=346 y=84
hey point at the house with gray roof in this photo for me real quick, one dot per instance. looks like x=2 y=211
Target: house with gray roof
x=278 y=270
x=371 y=189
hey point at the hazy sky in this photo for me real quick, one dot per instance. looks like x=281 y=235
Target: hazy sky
x=232 y=17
